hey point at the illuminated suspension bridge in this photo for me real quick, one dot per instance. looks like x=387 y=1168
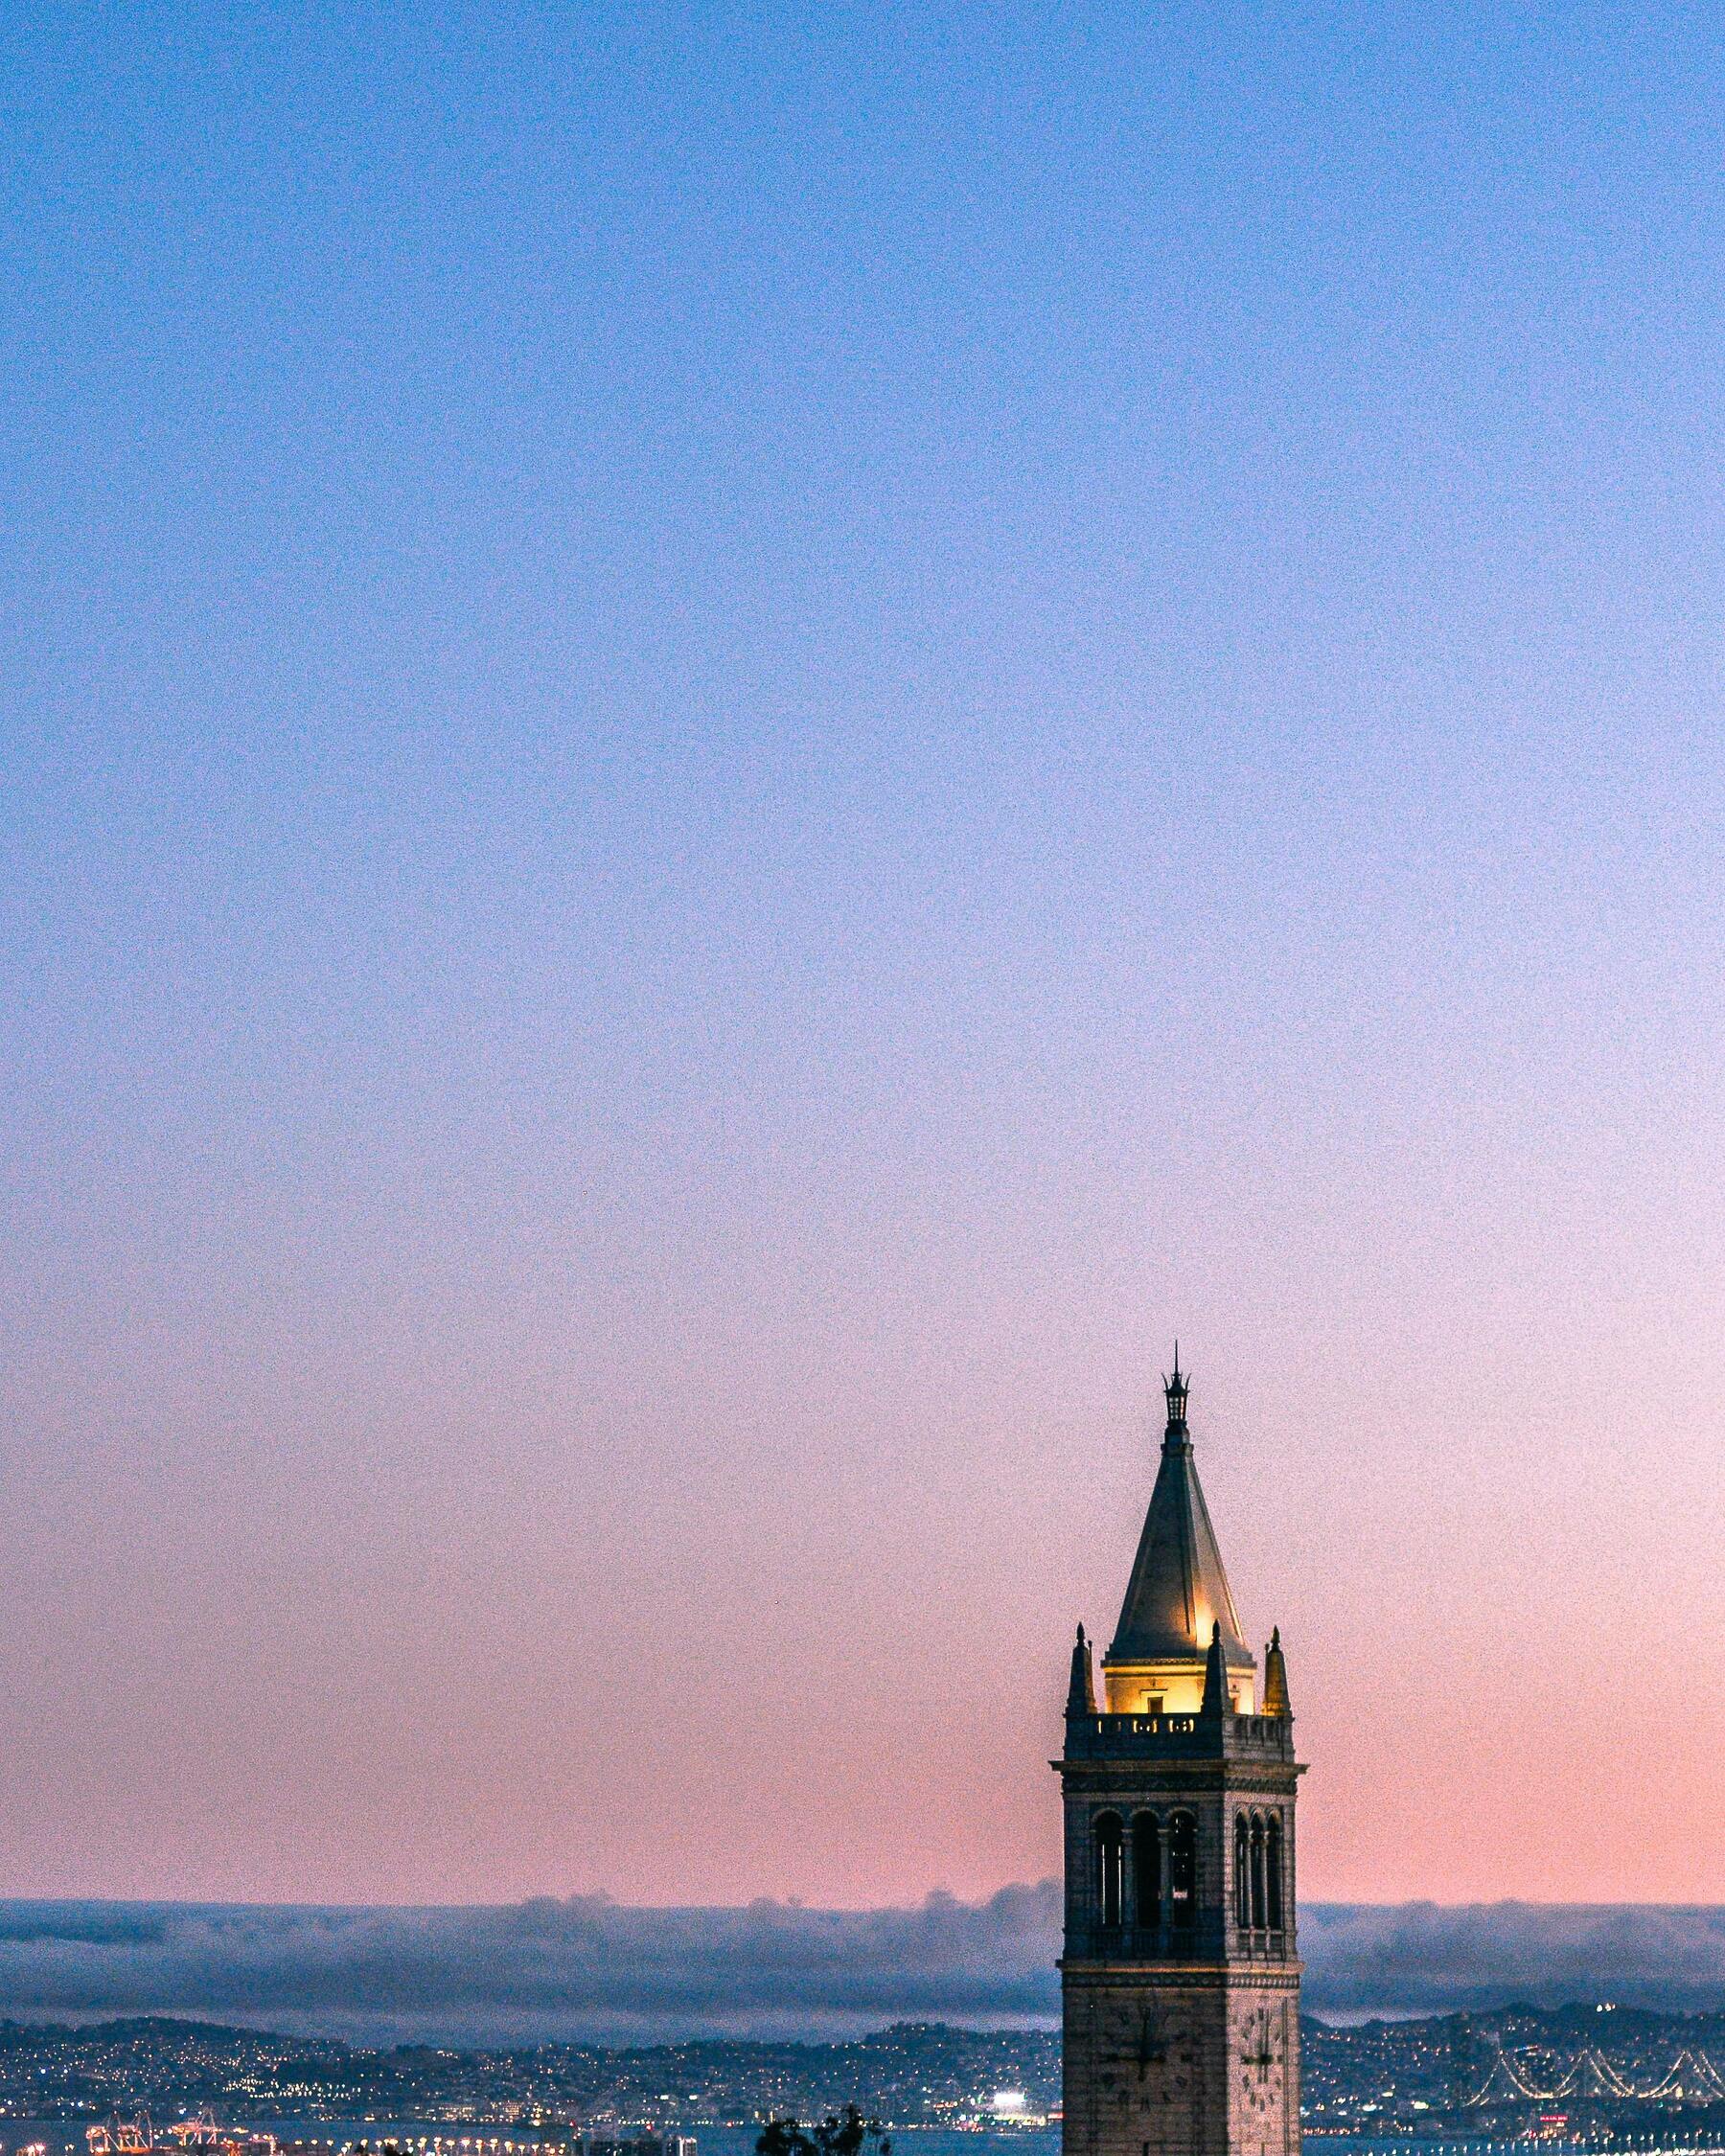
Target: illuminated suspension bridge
x=1690 y=2078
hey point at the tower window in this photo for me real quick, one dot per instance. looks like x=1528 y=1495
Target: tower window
x=1182 y=1871
x=1272 y=1871
x=1111 y=1867
x=1146 y=1870
x=1242 y=1870
x=1257 y=1872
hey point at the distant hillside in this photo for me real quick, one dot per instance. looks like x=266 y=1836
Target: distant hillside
x=1406 y=2076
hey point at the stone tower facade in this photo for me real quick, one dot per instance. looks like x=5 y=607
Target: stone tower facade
x=1180 y=1977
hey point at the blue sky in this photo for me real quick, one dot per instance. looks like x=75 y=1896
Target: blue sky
x=738 y=745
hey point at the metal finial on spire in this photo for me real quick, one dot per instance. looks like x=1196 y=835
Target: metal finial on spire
x=1175 y=1389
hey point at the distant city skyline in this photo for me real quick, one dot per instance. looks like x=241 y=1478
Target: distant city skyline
x=1434 y=2076
x=736 y=749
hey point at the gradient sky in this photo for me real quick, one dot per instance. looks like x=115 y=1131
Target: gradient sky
x=737 y=744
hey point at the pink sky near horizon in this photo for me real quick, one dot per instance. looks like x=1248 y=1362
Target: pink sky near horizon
x=805 y=1635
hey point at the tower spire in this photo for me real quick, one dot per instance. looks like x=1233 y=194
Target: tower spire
x=1081 y=1692
x=1276 y=1679
x=1214 y=1704
x=1178 y=1583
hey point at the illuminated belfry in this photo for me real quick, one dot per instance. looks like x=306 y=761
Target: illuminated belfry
x=1179 y=1977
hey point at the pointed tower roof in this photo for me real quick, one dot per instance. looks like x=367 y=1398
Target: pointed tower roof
x=1178 y=1589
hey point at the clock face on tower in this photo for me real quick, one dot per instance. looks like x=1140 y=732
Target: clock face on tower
x=1147 y=2055
x=1138 y=2040
x=1262 y=2057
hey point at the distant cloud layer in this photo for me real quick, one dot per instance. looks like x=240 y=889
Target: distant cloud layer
x=589 y=1968
x=538 y=1970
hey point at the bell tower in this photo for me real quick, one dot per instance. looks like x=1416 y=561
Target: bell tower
x=1180 y=1978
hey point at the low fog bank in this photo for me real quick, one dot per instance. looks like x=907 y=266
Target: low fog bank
x=1424 y=1957
x=591 y=1969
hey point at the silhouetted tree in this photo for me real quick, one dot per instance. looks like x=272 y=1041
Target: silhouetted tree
x=847 y=2133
